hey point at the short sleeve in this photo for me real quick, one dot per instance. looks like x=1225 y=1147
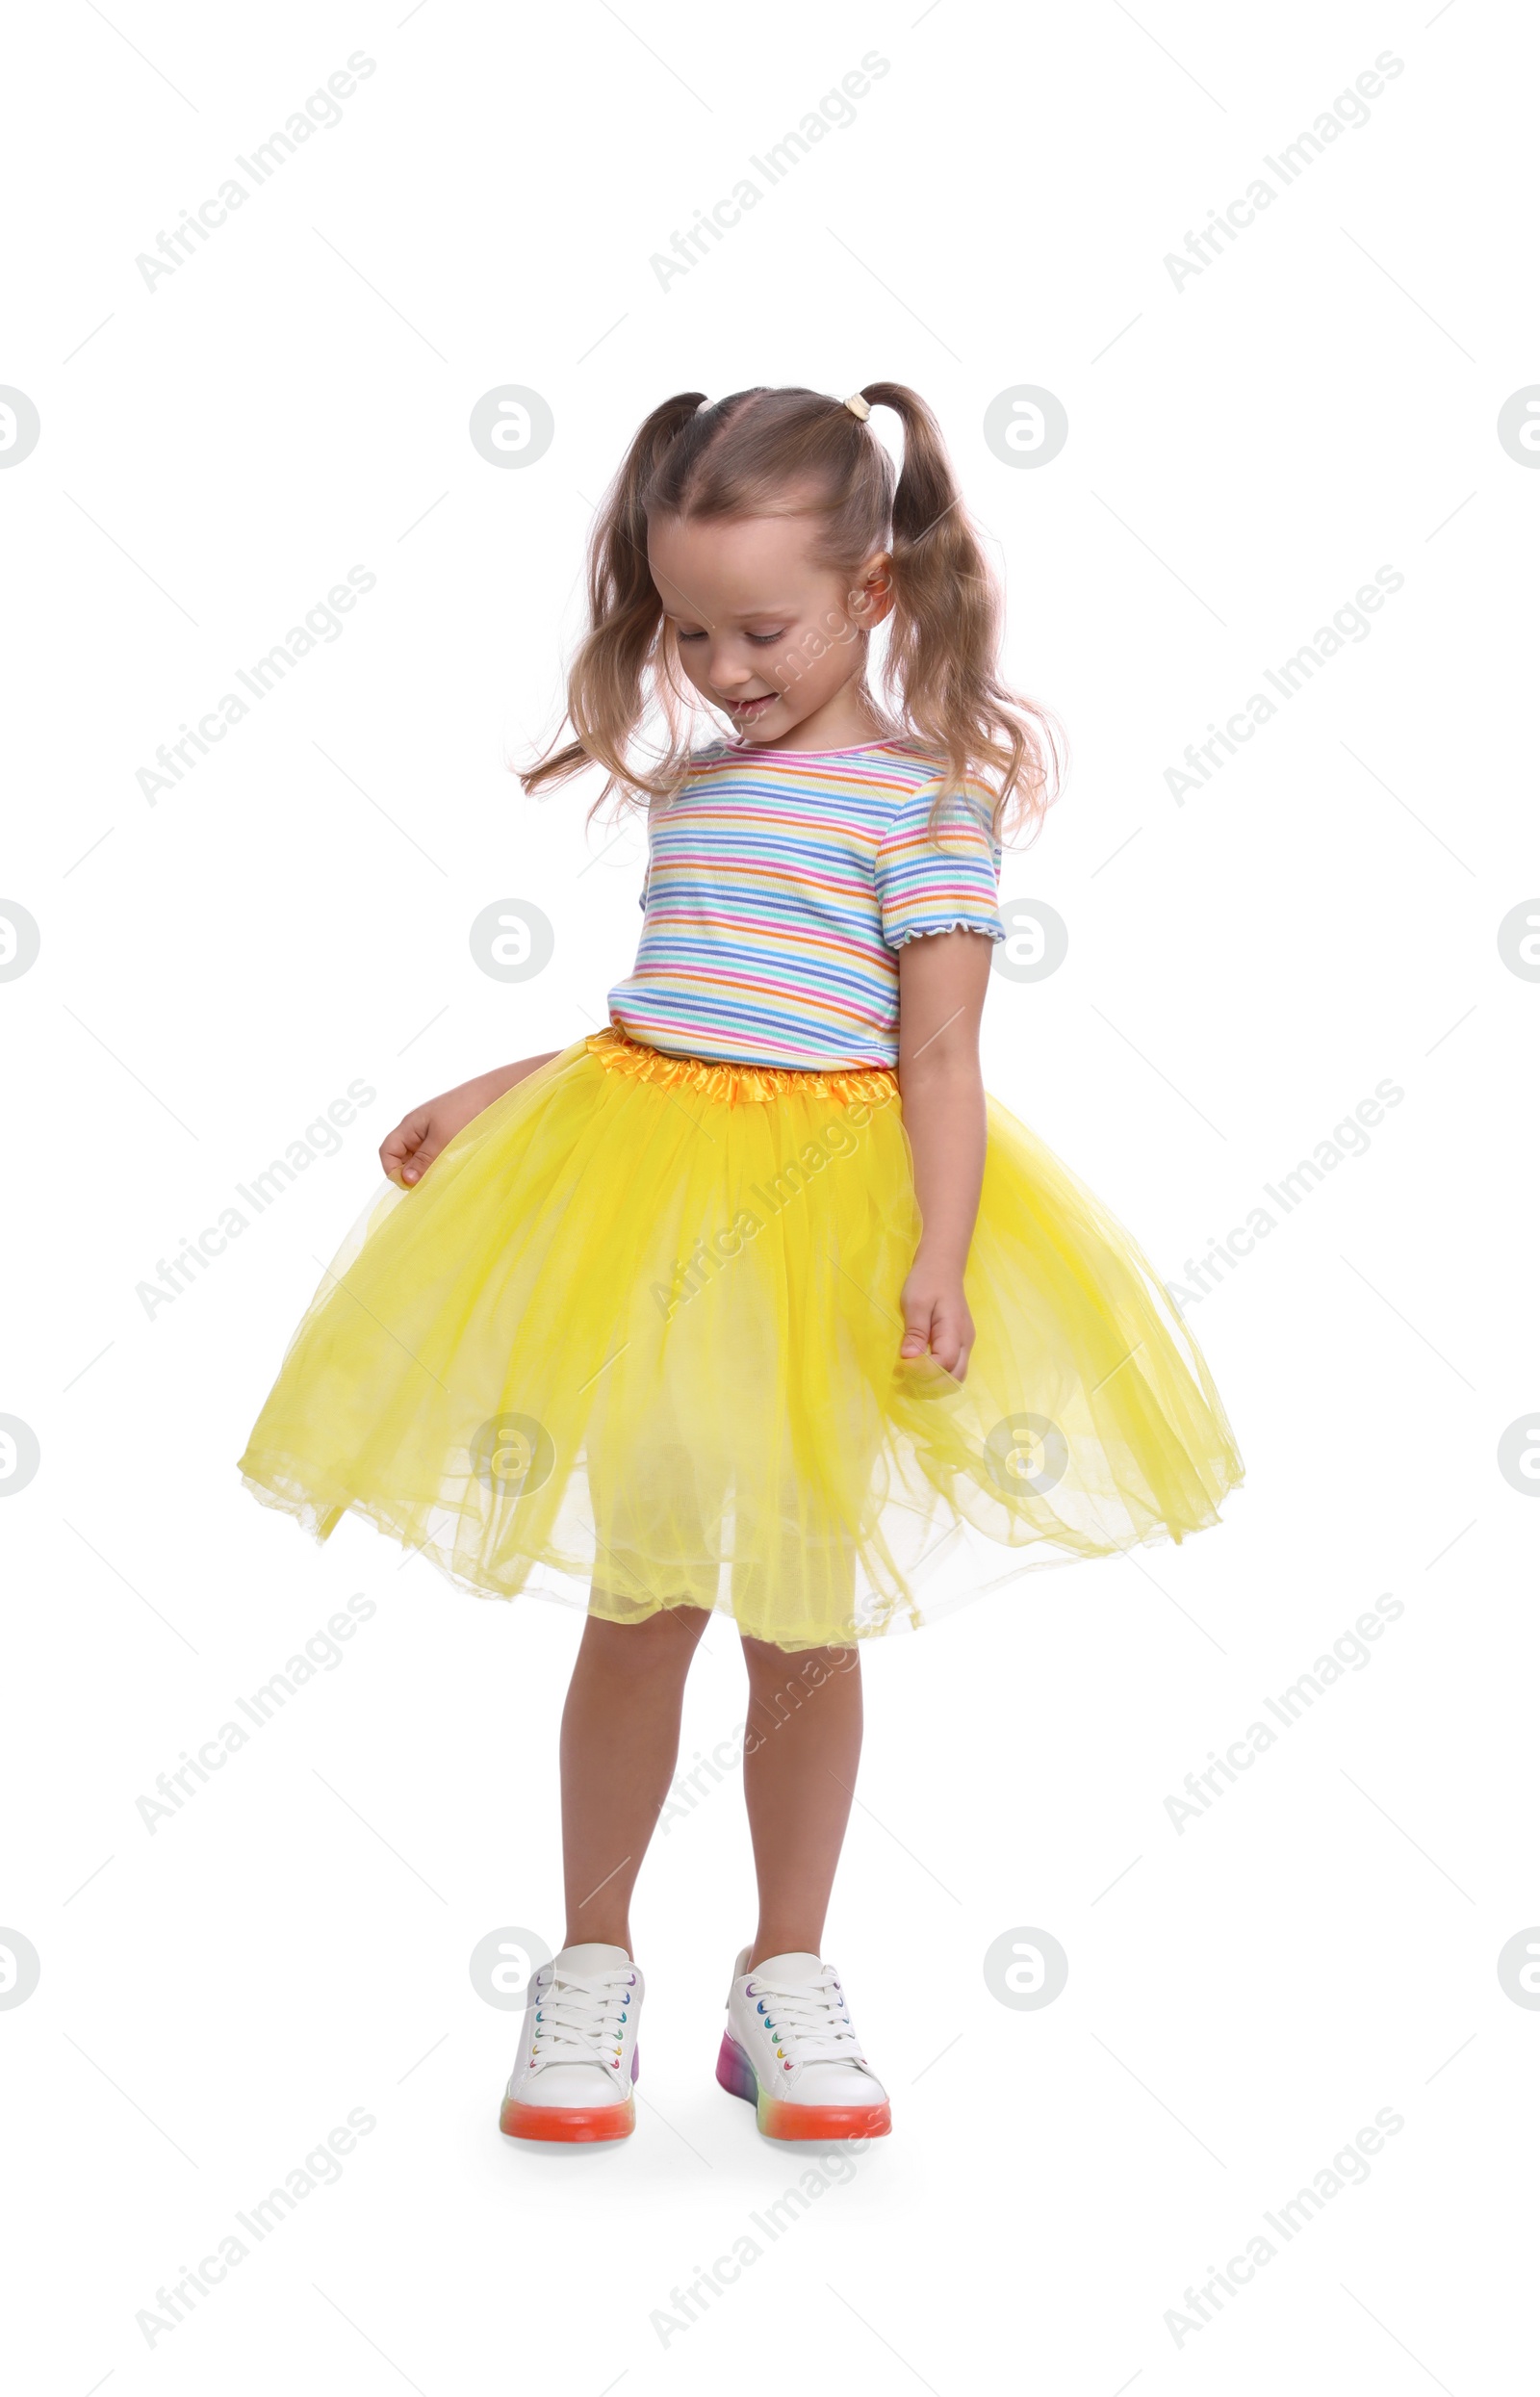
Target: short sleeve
x=945 y=880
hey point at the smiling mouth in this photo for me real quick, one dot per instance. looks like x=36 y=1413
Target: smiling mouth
x=751 y=706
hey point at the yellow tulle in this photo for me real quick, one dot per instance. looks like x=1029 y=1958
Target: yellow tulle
x=638 y=1327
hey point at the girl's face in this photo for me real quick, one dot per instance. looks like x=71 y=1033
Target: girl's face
x=764 y=632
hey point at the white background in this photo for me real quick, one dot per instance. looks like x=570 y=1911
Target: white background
x=216 y=968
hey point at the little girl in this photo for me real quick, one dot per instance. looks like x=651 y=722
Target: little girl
x=754 y=1298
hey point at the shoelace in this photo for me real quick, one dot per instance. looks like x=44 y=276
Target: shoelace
x=582 y=2022
x=809 y=2024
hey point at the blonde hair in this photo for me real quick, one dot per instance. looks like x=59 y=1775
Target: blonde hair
x=766 y=453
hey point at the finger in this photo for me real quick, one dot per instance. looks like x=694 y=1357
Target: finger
x=952 y=1340
x=410 y=1149
x=916 y=1333
x=395 y=1153
x=432 y=1145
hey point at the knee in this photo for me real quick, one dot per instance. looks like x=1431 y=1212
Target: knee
x=661 y=1647
x=798 y=1671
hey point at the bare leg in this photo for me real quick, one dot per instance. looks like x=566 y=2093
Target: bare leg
x=799 y=1776
x=620 y=1740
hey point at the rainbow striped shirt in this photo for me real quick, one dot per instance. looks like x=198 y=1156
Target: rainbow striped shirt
x=780 y=886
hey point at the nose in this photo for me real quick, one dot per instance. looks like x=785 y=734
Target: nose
x=729 y=673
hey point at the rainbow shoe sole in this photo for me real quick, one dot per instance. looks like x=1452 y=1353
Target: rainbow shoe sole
x=779 y=2118
x=518 y=2121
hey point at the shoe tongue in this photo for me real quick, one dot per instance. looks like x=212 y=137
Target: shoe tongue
x=592 y=1956
x=794 y=1970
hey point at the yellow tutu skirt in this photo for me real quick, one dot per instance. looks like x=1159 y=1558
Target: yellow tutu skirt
x=638 y=1327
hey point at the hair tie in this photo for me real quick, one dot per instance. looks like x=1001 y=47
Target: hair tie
x=856 y=406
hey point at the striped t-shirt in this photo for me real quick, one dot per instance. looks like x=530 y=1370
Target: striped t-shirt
x=780 y=884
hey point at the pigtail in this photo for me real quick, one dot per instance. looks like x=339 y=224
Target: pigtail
x=608 y=687
x=940 y=668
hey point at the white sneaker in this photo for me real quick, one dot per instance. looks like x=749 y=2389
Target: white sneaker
x=577 y=2050
x=790 y=2049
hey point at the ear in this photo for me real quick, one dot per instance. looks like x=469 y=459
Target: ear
x=871 y=592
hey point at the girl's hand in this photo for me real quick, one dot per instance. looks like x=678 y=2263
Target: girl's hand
x=935 y=1318
x=406 y=1153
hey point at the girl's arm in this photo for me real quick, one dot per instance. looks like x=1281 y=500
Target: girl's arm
x=942 y=978
x=407 y=1152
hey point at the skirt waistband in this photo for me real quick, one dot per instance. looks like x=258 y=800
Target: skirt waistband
x=726 y=1079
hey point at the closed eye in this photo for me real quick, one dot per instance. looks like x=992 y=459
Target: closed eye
x=761 y=641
